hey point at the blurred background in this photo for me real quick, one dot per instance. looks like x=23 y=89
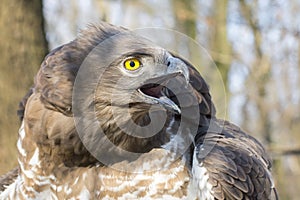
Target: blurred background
x=255 y=46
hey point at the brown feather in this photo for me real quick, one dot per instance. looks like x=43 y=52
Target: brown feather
x=242 y=175
x=237 y=165
x=8 y=178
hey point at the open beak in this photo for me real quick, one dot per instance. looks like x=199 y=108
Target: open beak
x=157 y=90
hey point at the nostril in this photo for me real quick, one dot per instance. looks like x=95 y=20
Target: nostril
x=169 y=63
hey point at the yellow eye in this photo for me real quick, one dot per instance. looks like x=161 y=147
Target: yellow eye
x=132 y=64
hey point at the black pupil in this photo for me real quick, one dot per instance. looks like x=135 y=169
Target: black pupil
x=132 y=64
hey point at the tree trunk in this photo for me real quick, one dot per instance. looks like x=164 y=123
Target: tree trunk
x=259 y=76
x=220 y=48
x=185 y=17
x=22 y=49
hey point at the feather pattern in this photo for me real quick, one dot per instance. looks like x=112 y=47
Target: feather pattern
x=202 y=158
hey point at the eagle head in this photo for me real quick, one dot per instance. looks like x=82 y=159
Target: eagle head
x=126 y=94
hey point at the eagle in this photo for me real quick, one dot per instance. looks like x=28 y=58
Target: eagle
x=112 y=115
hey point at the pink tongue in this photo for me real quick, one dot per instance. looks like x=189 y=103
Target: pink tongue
x=153 y=91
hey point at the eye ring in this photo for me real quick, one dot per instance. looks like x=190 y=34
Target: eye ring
x=132 y=64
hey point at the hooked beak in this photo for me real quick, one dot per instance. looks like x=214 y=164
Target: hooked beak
x=157 y=90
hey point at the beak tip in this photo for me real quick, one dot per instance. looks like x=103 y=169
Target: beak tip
x=169 y=105
x=186 y=76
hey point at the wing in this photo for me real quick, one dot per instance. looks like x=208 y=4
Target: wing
x=234 y=164
x=8 y=178
x=227 y=163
